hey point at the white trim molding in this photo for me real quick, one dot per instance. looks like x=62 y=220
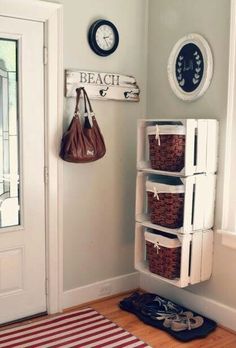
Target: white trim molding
x=98 y=290
x=51 y=15
x=228 y=225
x=221 y=313
x=54 y=111
x=37 y=10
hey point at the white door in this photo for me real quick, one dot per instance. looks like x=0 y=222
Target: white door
x=22 y=192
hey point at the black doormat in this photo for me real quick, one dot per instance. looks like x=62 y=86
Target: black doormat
x=166 y=315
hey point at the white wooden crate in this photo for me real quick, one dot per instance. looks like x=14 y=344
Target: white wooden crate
x=200 y=148
x=196 y=257
x=199 y=201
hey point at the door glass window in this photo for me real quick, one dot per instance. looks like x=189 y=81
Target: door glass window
x=9 y=138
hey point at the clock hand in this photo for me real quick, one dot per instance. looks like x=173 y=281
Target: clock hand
x=105 y=38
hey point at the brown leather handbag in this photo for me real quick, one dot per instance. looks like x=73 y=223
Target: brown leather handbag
x=82 y=143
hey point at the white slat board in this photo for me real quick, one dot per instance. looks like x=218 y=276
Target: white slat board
x=102 y=85
x=207 y=254
x=196 y=257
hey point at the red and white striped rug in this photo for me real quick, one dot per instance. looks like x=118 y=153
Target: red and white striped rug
x=85 y=328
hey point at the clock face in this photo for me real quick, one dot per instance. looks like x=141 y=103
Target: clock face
x=103 y=37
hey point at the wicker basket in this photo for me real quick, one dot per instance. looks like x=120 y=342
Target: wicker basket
x=163 y=253
x=167 y=147
x=165 y=204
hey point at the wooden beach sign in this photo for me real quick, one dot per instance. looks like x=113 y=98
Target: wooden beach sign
x=102 y=86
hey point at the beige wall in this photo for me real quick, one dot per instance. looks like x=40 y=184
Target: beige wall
x=99 y=197
x=169 y=21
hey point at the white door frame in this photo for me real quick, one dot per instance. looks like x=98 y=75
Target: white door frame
x=51 y=15
x=228 y=222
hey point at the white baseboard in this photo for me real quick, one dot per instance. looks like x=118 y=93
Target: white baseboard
x=228 y=238
x=100 y=289
x=222 y=314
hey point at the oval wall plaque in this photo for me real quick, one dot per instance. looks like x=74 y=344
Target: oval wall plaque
x=190 y=67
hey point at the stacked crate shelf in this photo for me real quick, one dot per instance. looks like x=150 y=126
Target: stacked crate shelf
x=199 y=179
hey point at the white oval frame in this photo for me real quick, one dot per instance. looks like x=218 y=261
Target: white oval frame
x=203 y=45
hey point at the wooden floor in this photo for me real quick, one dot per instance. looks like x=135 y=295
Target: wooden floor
x=220 y=338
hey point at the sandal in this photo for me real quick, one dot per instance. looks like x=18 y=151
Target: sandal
x=160 y=309
x=175 y=317
x=185 y=323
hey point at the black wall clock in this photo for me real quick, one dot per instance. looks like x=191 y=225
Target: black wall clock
x=190 y=67
x=103 y=37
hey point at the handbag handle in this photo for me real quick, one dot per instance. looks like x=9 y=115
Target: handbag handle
x=87 y=123
x=78 y=93
x=86 y=98
x=89 y=103
x=85 y=104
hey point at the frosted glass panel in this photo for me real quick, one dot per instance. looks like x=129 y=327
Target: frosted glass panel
x=9 y=139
